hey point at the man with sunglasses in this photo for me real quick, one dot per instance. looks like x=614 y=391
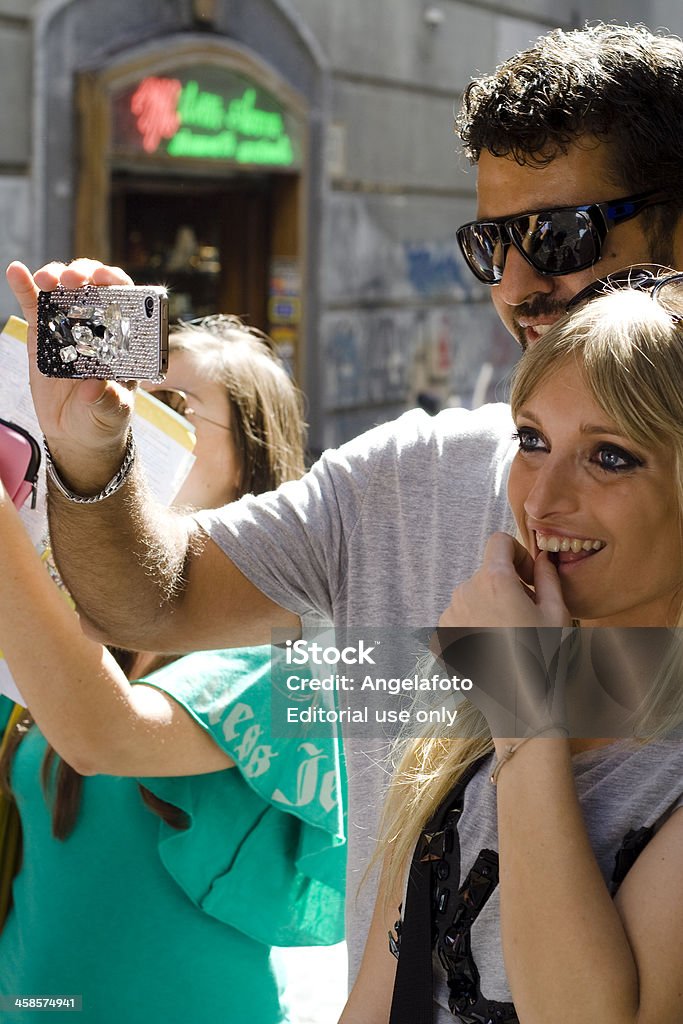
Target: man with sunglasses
x=580 y=173
x=578 y=170
x=559 y=242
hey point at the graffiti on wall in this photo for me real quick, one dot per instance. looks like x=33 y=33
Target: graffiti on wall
x=367 y=358
x=435 y=268
x=406 y=323
x=370 y=255
x=378 y=362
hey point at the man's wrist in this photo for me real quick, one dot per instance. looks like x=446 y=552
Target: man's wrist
x=89 y=490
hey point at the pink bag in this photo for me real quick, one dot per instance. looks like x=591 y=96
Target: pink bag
x=19 y=462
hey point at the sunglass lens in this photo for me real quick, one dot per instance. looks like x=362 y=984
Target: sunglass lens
x=558 y=242
x=483 y=248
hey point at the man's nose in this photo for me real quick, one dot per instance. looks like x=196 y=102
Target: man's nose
x=519 y=281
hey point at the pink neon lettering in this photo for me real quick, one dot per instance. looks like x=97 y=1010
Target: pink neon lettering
x=154 y=104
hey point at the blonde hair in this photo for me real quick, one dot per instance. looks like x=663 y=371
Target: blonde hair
x=628 y=350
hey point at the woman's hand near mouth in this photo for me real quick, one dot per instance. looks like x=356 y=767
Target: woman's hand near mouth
x=503 y=630
x=510 y=589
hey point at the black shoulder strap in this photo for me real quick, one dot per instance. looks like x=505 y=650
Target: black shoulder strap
x=413 y=988
x=632 y=845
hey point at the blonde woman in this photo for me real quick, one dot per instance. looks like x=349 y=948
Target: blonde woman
x=556 y=893
x=164 y=848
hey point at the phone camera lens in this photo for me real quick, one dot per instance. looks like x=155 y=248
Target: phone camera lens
x=149 y=305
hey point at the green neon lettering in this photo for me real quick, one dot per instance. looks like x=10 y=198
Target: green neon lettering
x=261 y=151
x=224 y=146
x=216 y=147
x=267 y=141
x=200 y=109
x=244 y=117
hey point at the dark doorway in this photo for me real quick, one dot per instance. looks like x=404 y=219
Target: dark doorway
x=209 y=242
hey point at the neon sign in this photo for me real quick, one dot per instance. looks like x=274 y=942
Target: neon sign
x=154 y=105
x=182 y=119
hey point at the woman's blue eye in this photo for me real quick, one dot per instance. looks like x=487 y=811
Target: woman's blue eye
x=615 y=460
x=529 y=440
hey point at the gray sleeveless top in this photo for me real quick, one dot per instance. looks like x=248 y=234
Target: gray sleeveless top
x=620 y=787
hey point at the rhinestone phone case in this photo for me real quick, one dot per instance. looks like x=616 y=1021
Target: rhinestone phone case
x=114 y=333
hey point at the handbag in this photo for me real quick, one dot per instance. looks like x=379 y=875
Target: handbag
x=19 y=463
x=10 y=829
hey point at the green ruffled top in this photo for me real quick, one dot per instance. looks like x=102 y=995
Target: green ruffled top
x=149 y=923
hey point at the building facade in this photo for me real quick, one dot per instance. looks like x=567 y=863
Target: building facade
x=289 y=160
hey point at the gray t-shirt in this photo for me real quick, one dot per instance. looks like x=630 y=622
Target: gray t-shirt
x=620 y=787
x=378 y=533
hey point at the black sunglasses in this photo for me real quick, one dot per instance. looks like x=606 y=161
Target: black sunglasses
x=558 y=241
x=638 y=278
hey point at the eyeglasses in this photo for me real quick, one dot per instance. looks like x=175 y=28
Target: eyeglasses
x=178 y=401
x=558 y=241
x=638 y=278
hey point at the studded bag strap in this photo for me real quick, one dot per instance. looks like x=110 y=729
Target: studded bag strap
x=413 y=998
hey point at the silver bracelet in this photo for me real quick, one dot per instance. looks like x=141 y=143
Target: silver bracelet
x=116 y=482
x=511 y=749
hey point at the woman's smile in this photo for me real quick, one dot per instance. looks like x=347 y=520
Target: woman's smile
x=602 y=506
x=562 y=544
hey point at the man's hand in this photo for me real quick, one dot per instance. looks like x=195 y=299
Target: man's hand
x=85 y=422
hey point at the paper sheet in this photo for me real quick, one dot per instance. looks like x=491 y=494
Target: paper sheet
x=165 y=442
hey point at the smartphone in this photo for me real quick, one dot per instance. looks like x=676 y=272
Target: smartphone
x=114 y=332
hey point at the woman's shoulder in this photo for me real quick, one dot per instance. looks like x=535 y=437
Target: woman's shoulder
x=643 y=780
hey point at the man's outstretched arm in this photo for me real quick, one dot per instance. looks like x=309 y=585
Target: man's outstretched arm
x=143 y=576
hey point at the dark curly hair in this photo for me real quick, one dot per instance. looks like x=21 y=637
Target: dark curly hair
x=621 y=85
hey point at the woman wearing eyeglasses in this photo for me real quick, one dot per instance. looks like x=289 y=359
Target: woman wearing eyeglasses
x=168 y=841
x=532 y=858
